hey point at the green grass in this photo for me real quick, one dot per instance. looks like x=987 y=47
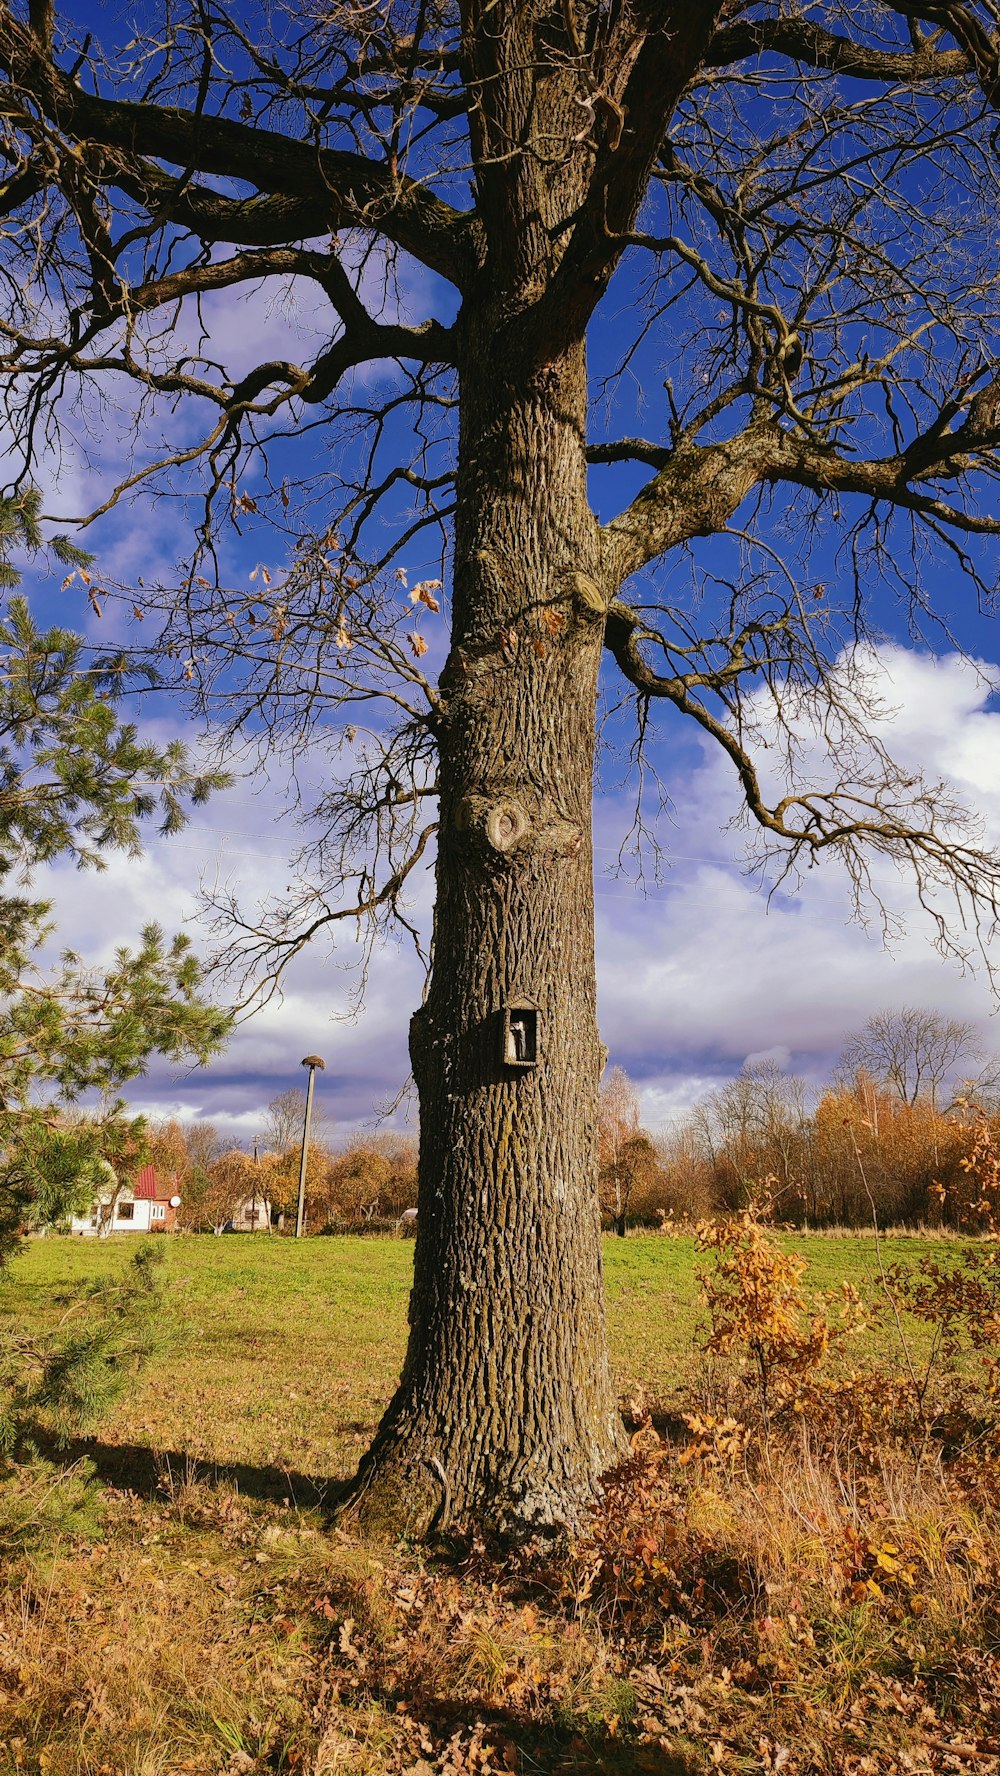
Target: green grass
x=283 y=1354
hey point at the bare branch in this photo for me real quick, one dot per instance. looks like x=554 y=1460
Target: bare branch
x=873 y=809
x=802 y=40
x=353 y=190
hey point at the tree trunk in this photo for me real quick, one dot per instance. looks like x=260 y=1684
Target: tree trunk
x=505 y=1413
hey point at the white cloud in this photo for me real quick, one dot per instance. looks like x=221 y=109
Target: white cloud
x=706 y=973
x=778 y=1055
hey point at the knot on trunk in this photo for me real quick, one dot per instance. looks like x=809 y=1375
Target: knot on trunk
x=561 y=838
x=590 y=599
x=506 y=824
x=501 y=822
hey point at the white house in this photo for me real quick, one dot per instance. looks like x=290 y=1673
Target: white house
x=251 y=1216
x=149 y=1206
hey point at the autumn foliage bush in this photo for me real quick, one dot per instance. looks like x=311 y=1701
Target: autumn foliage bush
x=759 y=1315
x=814 y=1545
x=782 y=1354
x=372 y=1183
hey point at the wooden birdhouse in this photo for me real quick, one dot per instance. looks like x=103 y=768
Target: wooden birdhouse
x=521 y=1034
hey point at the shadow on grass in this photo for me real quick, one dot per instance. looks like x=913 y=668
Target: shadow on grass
x=596 y=1755
x=549 y=1746
x=134 y=1467
x=452 y=1731
x=547 y=1752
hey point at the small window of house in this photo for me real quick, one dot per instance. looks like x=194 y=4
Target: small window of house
x=159 y=1211
x=125 y=1211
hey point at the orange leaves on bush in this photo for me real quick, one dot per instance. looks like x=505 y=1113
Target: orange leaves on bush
x=981 y=1169
x=758 y=1311
x=640 y=1558
x=718 y=1442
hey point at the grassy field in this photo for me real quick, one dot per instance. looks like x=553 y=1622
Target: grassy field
x=283 y=1354
x=178 y=1604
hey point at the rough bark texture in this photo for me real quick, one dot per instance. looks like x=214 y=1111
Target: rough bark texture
x=506 y=1405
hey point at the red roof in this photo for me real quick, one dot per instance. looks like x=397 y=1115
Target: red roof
x=149 y=1188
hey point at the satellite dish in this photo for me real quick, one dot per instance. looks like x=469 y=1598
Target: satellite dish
x=175 y=1202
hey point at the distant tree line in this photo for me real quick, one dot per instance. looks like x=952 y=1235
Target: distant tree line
x=885 y=1141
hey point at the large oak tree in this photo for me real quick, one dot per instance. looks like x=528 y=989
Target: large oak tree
x=775 y=225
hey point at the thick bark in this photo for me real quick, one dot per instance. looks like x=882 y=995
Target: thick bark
x=505 y=1411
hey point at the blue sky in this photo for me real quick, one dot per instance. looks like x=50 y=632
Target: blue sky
x=698 y=971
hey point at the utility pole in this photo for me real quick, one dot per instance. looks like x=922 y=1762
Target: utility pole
x=312 y=1062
